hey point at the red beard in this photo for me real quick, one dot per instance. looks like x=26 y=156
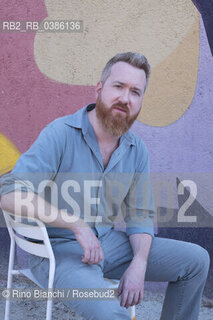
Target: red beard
x=117 y=123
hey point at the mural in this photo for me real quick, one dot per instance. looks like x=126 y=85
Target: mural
x=206 y=9
x=47 y=75
x=9 y=154
x=169 y=38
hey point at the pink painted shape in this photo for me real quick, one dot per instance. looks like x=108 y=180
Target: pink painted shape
x=29 y=99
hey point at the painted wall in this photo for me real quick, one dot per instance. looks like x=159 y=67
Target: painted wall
x=47 y=75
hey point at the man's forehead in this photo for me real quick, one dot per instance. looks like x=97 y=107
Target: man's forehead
x=122 y=71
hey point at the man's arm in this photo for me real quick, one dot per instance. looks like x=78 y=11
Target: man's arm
x=139 y=201
x=40 y=209
x=132 y=282
x=140 y=209
x=41 y=163
x=141 y=244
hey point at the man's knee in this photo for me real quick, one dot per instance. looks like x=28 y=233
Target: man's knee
x=107 y=310
x=200 y=259
x=204 y=259
x=99 y=309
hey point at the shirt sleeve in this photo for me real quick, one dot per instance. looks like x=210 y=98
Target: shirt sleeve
x=38 y=164
x=139 y=203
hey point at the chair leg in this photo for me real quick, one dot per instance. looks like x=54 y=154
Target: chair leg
x=9 y=278
x=49 y=309
x=132 y=313
x=50 y=287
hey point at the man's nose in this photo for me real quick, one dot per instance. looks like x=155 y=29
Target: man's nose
x=124 y=97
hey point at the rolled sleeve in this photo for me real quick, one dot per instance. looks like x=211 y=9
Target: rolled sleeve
x=139 y=203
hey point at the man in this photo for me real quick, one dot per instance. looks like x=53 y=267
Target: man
x=94 y=148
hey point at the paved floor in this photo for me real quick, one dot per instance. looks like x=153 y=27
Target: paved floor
x=149 y=309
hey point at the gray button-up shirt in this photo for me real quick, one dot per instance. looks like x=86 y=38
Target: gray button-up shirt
x=64 y=165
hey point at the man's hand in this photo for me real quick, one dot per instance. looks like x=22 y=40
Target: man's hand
x=92 y=248
x=132 y=283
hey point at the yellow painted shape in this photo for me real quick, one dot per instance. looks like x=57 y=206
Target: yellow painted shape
x=173 y=82
x=165 y=31
x=9 y=154
x=155 y=28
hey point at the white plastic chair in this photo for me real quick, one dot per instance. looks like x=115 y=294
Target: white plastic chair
x=19 y=231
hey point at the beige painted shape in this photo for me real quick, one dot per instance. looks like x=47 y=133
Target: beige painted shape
x=154 y=27
x=9 y=154
x=173 y=82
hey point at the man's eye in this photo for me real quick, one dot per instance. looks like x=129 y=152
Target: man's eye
x=136 y=93
x=118 y=86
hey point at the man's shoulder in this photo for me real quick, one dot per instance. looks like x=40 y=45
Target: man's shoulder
x=71 y=120
x=140 y=153
x=137 y=141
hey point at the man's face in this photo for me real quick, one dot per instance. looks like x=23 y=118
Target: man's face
x=119 y=100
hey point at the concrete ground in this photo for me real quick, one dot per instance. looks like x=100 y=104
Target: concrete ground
x=148 y=309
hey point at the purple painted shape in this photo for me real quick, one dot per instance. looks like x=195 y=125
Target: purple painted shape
x=187 y=144
x=184 y=149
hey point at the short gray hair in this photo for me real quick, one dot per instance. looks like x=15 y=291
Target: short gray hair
x=134 y=59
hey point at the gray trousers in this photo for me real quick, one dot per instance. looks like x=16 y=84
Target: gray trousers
x=183 y=265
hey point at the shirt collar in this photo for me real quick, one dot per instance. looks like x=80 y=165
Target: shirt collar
x=76 y=120
x=80 y=120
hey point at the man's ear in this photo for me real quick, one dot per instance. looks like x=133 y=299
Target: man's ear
x=98 y=89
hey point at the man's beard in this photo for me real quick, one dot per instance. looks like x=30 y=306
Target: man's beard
x=117 y=123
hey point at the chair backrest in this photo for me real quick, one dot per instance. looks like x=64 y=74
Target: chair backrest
x=29 y=234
